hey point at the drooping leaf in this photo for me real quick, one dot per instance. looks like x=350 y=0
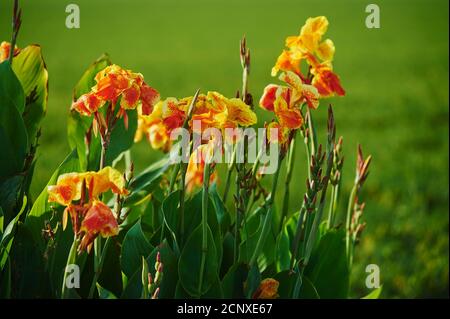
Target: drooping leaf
x=41 y=209
x=327 y=268
x=189 y=266
x=134 y=246
x=13 y=134
x=30 y=68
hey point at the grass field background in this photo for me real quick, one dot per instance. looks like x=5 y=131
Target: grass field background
x=396 y=106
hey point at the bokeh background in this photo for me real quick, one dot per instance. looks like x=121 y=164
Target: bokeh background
x=396 y=106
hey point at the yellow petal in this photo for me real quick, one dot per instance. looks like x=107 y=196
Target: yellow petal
x=326 y=50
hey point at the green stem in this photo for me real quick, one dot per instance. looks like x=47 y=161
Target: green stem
x=173 y=178
x=228 y=181
x=99 y=267
x=182 y=197
x=351 y=205
x=267 y=219
x=298 y=233
x=318 y=217
x=290 y=169
x=205 y=197
x=71 y=259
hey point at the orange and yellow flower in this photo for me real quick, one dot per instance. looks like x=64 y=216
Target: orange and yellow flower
x=97 y=218
x=196 y=166
x=114 y=83
x=308 y=46
x=285 y=100
x=5 y=48
x=268 y=289
x=212 y=110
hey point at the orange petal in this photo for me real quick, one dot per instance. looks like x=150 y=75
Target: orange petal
x=268 y=289
x=269 y=96
x=149 y=97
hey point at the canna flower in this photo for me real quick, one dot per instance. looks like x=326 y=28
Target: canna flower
x=96 y=217
x=285 y=100
x=66 y=190
x=308 y=46
x=286 y=62
x=87 y=104
x=231 y=112
x=99 y=220
x=325 y=80
x=114 y=83
x=212 y=110
x=106 y=179
x=5 y=48
x=308 y=41
x=68 y=186
x=197 y=161
x=268 y=289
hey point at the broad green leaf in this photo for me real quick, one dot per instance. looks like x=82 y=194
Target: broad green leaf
x=78 y=125
x=234 y=281
x=223 y=217
x=110 y=277
x=146 y=182
x=327 y=268
x=10 y=88
x=9 y=193
x=122 y=137
x=193 y=208
x=41 y=210
x=283 y=253
x=253 y=281
x=30 y=68
x=190 y=262
x=13 y=134
x=9 y=232
x=171 y=211
x=31 y=279
x=134 y=246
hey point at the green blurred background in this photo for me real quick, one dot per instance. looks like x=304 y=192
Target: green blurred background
x=396 y=106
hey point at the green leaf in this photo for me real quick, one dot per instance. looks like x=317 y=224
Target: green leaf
x=133 y=288
x=190 y=261
x=10 y=88
x=13 y=134
x=374 y=294
x=327 y=268
x=110 y=277
x=283 y=253
x=41 y=210
x=9 y=193
x=30 y=278
x=253 y=281
x=77 y=125
x=122 y=138
x=193 y=207
x=104 y=293
x=223 y=217
x=9 y=233
x=134 y=246
x=146 y=182
x=171 y=211
x=30 y=68
x=234 y=280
